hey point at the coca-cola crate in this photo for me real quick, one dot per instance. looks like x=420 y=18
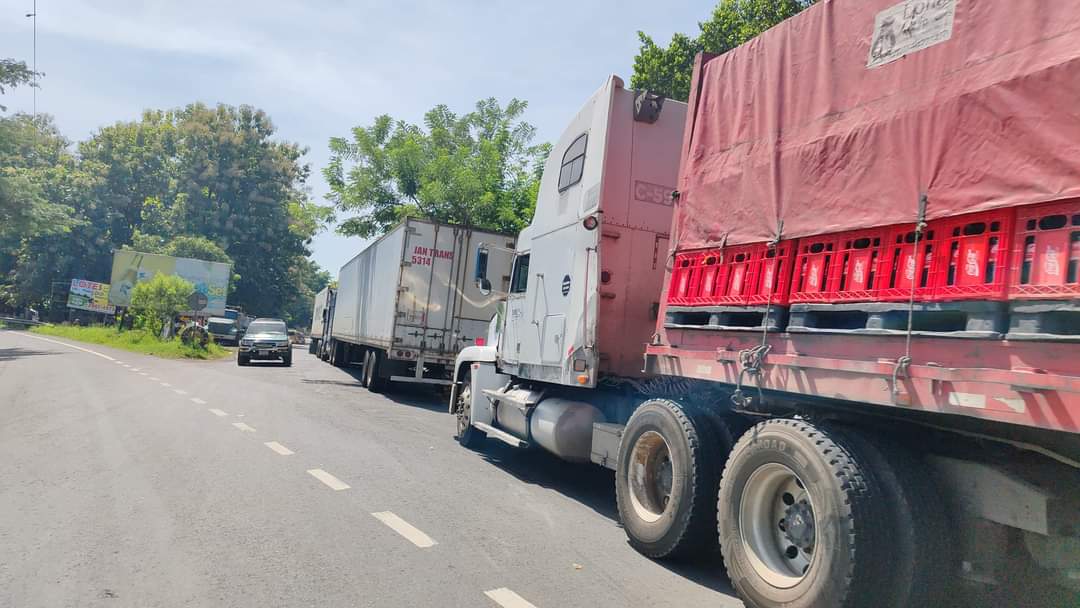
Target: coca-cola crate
x=974 y=255
x=746 y=274
x=905 y=265
x=842 y=267
x=685 y=277
x=1046 y=252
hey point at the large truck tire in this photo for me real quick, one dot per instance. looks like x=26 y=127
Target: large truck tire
x=372 y=380
x=803 y=521
x=468 y=435
x=666 y=480
x=924 y=556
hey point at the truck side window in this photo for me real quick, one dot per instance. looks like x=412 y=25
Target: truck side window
x=573 y=163
x=520 y=279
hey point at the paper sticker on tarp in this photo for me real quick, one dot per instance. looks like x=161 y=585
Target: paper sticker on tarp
x=909 y=27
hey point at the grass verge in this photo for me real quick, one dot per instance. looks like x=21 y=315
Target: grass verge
x=134 y=340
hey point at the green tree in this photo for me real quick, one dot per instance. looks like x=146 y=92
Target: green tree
x=306 y=279
x=13 y=74
x=479 y=169
x=157 y=301
x=669 y=69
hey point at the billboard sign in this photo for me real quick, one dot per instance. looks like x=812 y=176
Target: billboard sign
x=88 y=295
x=133 y=267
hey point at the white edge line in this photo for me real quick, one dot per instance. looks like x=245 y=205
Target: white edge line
x=507 y=598
x=85 y=350
x=280 y=449
x=404 y=528
x=328 y=479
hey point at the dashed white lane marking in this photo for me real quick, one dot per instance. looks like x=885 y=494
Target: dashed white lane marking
x=155 y=379
x=179 y=391
x=243 y=427
x=197 y=400
x=507 y=598
x=126 y=365
x=143 y=374
x=280 y=449
x=404 y=528
x=217 y=412
x=166 y=384
x=135 y=369
x=328 y=479
x=85 y=350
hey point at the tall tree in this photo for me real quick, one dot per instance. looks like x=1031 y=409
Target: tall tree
x=668 y=69
x=14 y=73
x=478 y=169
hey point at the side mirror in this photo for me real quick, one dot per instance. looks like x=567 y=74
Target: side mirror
x=480 y=270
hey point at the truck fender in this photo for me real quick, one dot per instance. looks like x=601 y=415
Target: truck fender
x=480 y=361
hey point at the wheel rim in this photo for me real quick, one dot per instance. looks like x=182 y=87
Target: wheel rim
x=464 y=409
x=777 y=525
x=650 y=476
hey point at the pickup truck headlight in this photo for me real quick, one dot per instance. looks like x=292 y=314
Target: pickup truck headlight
x=246 y=342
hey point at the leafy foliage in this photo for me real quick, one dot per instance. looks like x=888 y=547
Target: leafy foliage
x=480 y=169
x=137 y=340
x=202 y=182
x=157 y=301
x=668 y=70
x=13 y=74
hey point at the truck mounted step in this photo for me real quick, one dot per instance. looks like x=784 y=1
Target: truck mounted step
x=943 y=319
x=747 y=318
x=1044 y=320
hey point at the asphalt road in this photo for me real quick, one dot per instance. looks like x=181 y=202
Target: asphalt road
x=129 y=480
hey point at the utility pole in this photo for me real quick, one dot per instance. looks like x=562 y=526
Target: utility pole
x=33 y=87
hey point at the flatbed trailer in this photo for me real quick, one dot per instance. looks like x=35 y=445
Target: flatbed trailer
x=868 y=443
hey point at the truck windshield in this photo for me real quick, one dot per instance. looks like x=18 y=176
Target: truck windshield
x=266 y=327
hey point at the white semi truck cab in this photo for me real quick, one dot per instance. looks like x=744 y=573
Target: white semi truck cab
x=586 y=278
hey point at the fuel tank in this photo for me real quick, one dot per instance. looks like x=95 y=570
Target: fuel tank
x=564 y=427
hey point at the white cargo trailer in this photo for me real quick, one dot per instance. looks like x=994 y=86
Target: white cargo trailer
x=320 y=318
x=407 y=304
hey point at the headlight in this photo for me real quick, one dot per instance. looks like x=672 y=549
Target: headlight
x=246 y=342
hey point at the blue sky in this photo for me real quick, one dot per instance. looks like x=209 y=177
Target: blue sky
x=321 y=67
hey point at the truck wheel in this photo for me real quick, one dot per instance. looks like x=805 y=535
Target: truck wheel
x=241 y=360
x=923 y=552
x=666 y=480
x=287 y=359
x=467 y=435
x=365 y=373
x=374 y=382
x=802 y=520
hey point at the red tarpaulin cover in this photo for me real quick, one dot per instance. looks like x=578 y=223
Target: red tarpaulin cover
x=793 y=129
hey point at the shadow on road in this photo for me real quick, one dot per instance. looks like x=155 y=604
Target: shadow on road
x=593 y=487
x=8 y=354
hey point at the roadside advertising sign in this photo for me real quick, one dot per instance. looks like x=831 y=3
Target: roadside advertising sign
x=132 y=267
x=88 y=295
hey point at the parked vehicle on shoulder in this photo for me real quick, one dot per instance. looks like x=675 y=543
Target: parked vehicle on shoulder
x=265 y=340
x=224 y=330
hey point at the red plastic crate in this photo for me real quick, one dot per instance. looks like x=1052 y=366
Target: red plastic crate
x=685 y=275
x=902 y=266
x=843 y=267
x=1046 y=252
x=974 y=251
x=746 y=275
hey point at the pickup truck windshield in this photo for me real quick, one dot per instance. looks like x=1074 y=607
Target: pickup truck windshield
x=266 y=327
